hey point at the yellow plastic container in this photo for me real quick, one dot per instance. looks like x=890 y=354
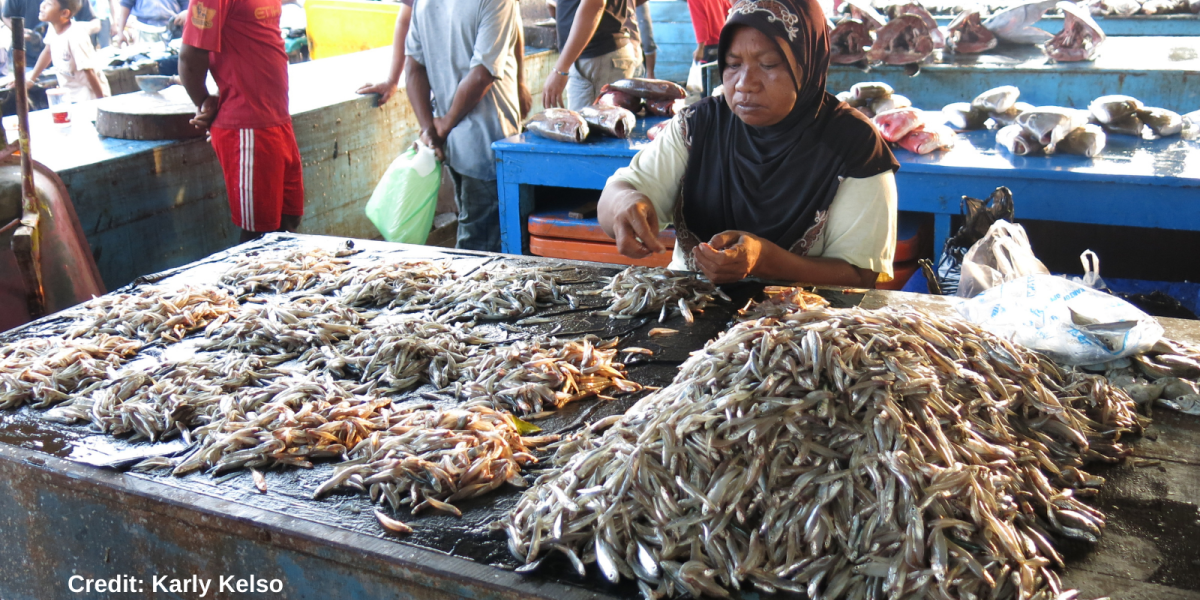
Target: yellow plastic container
x=337 y=27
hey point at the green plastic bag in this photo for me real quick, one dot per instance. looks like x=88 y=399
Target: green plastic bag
x=403 y=203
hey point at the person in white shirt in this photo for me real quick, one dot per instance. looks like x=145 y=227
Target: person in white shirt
x=69 y=48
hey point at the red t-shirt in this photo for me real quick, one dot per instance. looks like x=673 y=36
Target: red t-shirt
x=708 y=17
x=246 y=59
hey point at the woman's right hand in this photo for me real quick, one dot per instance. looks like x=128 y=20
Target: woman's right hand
x=635 y=225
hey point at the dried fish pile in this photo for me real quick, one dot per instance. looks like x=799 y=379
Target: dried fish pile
x=155 y=313
x=529 y=376
x=504 y=292
x=429 y=458
x=291 y=272
x=286 y=327
x=171 y=400
x=642 y=290
x=46 y=371
x=399 y=354
x=838 y=453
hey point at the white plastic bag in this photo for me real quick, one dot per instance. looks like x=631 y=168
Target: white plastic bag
x=404 y=201
x=1002 y=255
x=695 y=82
x=1071 y=323
x=1091 y=271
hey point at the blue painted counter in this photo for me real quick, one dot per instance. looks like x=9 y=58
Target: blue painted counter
x=1161 y=71
x=1135 y=183
x=1135 y=26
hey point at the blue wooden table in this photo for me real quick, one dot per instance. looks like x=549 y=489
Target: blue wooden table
x=1134 y=183
x=1161 y=71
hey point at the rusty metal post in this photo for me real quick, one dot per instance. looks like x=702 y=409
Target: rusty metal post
x=26 y=243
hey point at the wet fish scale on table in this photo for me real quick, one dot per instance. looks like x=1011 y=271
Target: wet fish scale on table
x=837 y=453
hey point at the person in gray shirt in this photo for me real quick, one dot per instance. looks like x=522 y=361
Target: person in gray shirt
x=461 y=70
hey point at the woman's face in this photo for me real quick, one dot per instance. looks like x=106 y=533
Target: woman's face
x=758 y=79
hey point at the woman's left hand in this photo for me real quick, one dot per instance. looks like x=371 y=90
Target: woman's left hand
x=731 y=255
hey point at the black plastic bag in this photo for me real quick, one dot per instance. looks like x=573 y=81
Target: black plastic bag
x=978 y=217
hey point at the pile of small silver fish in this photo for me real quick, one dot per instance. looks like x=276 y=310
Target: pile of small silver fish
x=407 y=283
x=840 y=453
x=429 y=458
x=503 y=292
x=398 y=354
x=292 y=272
x=155 y=313
x=642 y=290
x=286 y=327
x=172 y=399
x=46 y=371
x=528 y=376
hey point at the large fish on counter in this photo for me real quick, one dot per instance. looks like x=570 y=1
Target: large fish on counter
x=905 y=40
x=967 y=35
x=848 y=43
x=1016 y=24
x=1080 y=38
x=558 y=124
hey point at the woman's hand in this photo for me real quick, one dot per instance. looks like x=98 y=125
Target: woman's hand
x=731 y=255
x=635 y=225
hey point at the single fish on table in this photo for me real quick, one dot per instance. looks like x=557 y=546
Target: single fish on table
x=896 y=124
x=1015 y=24
x=892 y=102
x=650 y=89
x=1162 y=122
x=662 y=108
x=997 y=100
x=1088 y=141
x=848 y=42
x=964 y=117
x=967 y=35
x=611 y=97
x=928 y=139
x=935 y=33
x=1018 y=140
x=864 y=12
x=868 y=91
x=1049 y=124
x=905 y=40
x=1191 y=125
x=1080 y=38
x=611 y=120
x=558 y=124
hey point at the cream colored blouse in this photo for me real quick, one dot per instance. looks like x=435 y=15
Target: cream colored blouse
x=860 y=227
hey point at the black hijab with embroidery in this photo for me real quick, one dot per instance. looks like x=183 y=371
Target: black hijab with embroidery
x=778 y=181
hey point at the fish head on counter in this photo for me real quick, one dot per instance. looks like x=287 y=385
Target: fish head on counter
x=1107 y=109
x=848 y=42
x=967 y=35
x=997 y=100
x=1018 y=141
x=895 y=124
x=1015 y=24
x=1088 y=141
x=558 y=124
x=904 y=40
x=863 y=11
x=1050 y=124
x=928 y=139
x=1080 y=38
x=935 y=34
x=1162 y=122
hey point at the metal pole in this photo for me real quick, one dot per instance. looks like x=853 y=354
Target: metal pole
x=26 y=243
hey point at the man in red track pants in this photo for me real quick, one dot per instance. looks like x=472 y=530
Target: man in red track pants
x=239 y=42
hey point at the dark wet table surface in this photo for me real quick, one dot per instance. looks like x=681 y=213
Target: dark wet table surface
x=1171 y=528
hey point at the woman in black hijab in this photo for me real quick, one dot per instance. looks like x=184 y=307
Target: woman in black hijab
x=775 y=178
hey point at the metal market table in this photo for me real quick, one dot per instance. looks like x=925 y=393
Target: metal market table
x=63 y=516
x=1136 y=183
x=1161 y=71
